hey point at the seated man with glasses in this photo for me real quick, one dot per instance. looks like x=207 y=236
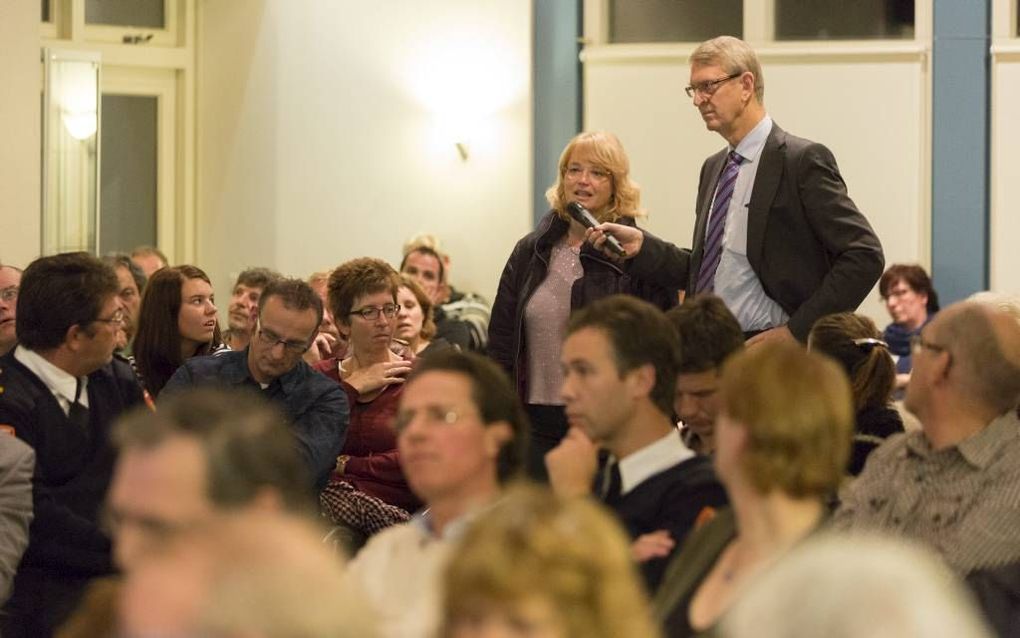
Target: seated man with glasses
x=60 y=389
x=289 y=313
x=955 y=484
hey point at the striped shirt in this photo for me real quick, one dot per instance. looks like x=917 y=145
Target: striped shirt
x=963 y=501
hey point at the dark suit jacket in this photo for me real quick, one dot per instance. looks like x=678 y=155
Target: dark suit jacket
x=812 y=250
x=671 y=500
x=73 y=468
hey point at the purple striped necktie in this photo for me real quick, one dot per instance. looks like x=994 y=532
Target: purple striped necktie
x=717 y=224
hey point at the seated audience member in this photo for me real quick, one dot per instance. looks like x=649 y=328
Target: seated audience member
x=709 y=333
x=853 y=341
x=328 y=343
x=782 y=443
x=205 y=451
x=253 y=575
x=540 y=565
x=177 y=321
x=911 y=302
x=847 y=587
x=955 y=484
x=363 y=298
x=17 y=462
x=149 y=259
x=425 y=265
x=242 y=312
x=61 y=390
x=131 y=282
x=414 y=321
x=619 y=375
x=288 y=316
x=453 y=305
x=462 y=435
x=10 y=279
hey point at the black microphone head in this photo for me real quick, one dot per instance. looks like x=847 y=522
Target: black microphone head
x=581 y=214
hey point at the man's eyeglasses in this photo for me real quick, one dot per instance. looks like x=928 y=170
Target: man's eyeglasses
x=371 y=313
x=433 y=415
x=707 y=89
x=270 y=338
x=9 y=294
x=116 y=319
x=917 y=343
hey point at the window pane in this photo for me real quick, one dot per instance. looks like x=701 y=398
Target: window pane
x=46 y=11
x=128 y=173
x=674 y=20
x=844 y=19
x=126 y=13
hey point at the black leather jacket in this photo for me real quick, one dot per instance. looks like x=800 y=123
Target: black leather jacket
x=527 y=268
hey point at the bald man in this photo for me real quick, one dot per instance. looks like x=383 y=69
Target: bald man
x=955 y=484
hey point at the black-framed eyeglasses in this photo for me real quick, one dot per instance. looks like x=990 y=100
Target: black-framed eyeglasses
x=917 y=343
x=707 y=89
x=9 y=294
x=271 y=339
x=371 y=313
x=116 y=319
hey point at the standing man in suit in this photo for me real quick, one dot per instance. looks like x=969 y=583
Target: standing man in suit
x=61 y=389
x=776 y=235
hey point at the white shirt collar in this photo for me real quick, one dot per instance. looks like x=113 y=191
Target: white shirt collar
x=61 y=383
x=750 y=147
x=652 y=459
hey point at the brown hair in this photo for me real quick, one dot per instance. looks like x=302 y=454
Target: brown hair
x=708 y=333
x=985 y=344
x=357 y=278
x=428 y=324
x=58 y=292
x=797 y=410
x=295 y=295
x=571 y=553
x=851 y=340
x=157 y=346
x=916 y=279
x=257 y=277
x=608 y=153
x=640 y=335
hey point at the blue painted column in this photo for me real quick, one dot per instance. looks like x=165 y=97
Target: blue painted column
x=556 y=82
x=960 y=147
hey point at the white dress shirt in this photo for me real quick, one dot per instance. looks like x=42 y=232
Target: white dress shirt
x=60 y=383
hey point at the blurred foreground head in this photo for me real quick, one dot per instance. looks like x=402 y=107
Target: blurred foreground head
x=253 y=575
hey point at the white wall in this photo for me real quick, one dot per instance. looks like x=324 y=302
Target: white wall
x=20 y=130
x=870 y=110
x=1005 y=168
x=326 y=131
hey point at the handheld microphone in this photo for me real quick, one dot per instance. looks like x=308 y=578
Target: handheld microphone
x=583 y=217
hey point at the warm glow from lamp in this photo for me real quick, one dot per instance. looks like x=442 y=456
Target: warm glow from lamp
x=77 y=98
x=463 y=79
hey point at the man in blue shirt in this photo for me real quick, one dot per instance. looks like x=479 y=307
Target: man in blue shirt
x=288 y=320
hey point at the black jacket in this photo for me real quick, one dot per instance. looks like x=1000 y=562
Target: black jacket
x=527 y=268
x=73 y=469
